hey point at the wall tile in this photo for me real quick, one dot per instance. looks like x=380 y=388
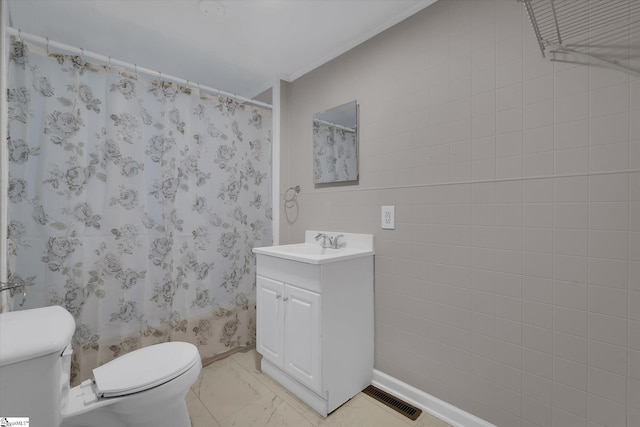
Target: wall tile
x=609 y=244
x=570 y=399
x=537 y=387
x=538 y=89
x=570 y=373
x=608 y=329
x=571 y=81
x=509 y=144
x=537 y=240
x=608 y=272
x=571 y=189
x=571 y=347
x=571 y=215
x=605 y=412
x=570 y=268
x=634 y=365
x=538 y=115
x=608 y=357
x=509 y=97
x=609 y=216
x=537 y=289
x=536 y=412
x=508 y=121
x=539 y=164
x=537 y=140
x=561 y=418
x=571 y=135
x=539 y=339
x=609 y=100
x=634 y=334
x=609 y=129
x=570 y=295
x=609 y=157
x=572 y=161
x=571 y=108
x=634 y=393
x=570 y=321
x=609 y=188
x=634 y=305
x=609 y=301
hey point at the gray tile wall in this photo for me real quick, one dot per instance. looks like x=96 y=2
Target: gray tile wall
x=511 y=284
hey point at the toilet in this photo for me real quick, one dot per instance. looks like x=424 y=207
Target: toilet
x=143 y=388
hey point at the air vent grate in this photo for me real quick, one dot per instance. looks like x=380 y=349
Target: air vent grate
x=401 y=406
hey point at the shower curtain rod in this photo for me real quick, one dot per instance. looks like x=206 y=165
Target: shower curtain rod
x=110 y=61
x=335 y=125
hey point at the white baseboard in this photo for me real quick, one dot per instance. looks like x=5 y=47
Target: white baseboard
x=418 y=398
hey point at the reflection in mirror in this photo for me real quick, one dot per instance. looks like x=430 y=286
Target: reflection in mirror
x=335 y=144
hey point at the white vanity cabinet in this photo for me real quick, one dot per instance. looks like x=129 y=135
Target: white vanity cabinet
x=315 y=326
x=290 y=330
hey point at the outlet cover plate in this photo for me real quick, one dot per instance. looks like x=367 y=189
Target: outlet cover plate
x=389 y=217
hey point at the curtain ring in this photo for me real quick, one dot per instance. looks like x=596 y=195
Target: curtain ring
x=82 y=53
x=47 y=45
x=135 y=69
x=109 y=62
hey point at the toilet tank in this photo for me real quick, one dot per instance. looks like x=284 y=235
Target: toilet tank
x=34 y=377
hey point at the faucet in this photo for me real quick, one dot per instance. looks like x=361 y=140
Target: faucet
x=333 y=241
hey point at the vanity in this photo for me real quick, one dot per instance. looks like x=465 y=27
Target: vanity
x=315 y=325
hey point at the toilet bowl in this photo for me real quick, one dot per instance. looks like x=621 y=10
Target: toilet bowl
x=143 y=388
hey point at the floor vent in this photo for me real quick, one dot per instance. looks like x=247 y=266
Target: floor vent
x=392 y=402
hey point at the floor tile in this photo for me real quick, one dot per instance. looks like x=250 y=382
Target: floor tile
x=226 y=387
x=200 y=416
x=360 y=412
x=269 y=411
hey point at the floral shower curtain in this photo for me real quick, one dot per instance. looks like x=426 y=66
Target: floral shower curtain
x=134 y=203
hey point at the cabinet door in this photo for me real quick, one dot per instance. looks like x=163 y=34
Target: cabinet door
x=270 y=316
x=303 y=337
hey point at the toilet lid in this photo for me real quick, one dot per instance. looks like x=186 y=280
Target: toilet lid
x=144 y=368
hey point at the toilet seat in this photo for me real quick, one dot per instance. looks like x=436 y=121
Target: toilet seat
x=145 y=368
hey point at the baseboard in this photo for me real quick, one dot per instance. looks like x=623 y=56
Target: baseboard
x=436 y=407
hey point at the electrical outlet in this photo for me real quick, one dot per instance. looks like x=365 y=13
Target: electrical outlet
x=389 y=217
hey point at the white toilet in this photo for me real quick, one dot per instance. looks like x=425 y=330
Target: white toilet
x=144 y=388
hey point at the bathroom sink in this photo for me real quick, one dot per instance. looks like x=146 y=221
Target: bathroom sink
x=311 y=252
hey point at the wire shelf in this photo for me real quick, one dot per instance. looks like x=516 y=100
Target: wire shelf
x=602 y=32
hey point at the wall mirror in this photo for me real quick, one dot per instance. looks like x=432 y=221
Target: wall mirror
x=335 y=144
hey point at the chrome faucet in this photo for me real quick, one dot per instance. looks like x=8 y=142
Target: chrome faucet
x=333 y=242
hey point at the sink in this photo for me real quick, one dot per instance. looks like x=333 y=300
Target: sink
x=311 y=252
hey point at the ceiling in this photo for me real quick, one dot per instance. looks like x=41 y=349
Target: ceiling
x=239 y=46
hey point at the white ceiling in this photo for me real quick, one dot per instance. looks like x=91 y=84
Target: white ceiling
x=240 y=51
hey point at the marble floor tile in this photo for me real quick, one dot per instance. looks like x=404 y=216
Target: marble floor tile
x=190 y=396
x=249 y=359
x=269 y=411
x=360 y=412
x=200 y=416
x=225 y=387
x=424 y=420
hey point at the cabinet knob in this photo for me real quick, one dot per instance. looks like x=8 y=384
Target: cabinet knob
x=285 y=299
x=278 y=296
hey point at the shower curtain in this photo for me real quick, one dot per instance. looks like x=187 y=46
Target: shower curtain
x=134 y=203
